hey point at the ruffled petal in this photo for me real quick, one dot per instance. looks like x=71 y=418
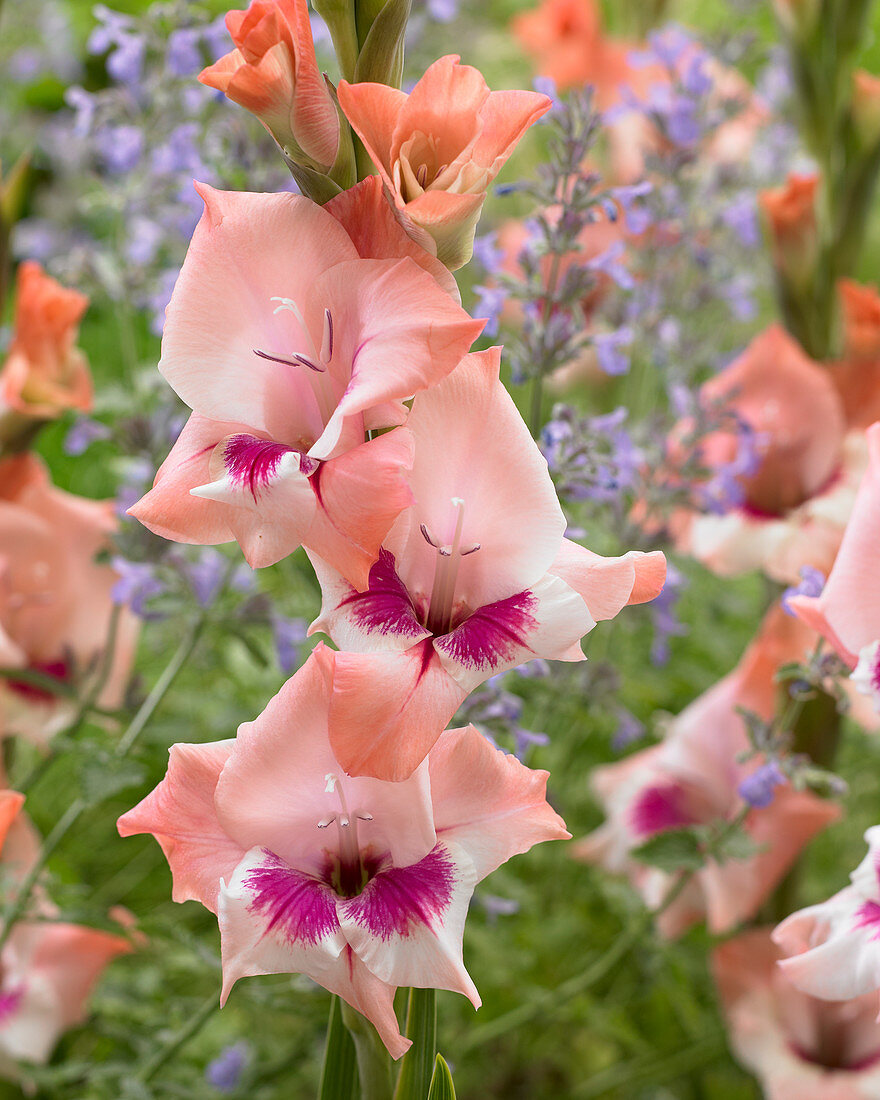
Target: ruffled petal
x=607 y=585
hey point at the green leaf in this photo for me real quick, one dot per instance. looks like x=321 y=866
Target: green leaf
x=672 y=850
x=418 y=1062
x=339 y=1071
x=734 y=845
x=442 y=1087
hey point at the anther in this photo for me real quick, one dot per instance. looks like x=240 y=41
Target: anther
x=427 y=537
x=327 y=342
x=422 y=174
x=296 y=360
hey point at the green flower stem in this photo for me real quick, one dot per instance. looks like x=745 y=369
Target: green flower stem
x=374 y=1063
x=189 y=1029
x=418 y=1062
x=339 y=15
x=124 y=746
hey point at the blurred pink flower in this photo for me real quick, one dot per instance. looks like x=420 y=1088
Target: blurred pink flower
x=800 y=1048
x=273 y=72
x=692 y=778
x=473 y=579
x=796 y=501
x=360 y=884
x=438 y=148
x=834 y=947
x=287 y=343
x=55 y=598
x=44 y=373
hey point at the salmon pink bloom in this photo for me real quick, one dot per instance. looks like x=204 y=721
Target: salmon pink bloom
x=796 y=1045
x=273 y=72
x=834 y=947
x=55 y=598
x=795 y=503
x=857 y=373
x=847 y=612
x=287 y=343
x=44 y=373
x=47 y=968
x=360 y=884
x=694 y=777
x=438 y=148
x=459 y=593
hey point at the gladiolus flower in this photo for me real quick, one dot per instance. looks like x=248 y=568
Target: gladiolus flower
x=847 y=612
x=45 y=373
x=796 y=500
x=791 y=217
x=796 y=1045
x=287 y=343
x=55 y=599
x=273 y=72
x=694 y=778
x=438 y=148
x=360 y=884
x=47 y=969
x=834 y=947
x=458 y=593
x=857 y=373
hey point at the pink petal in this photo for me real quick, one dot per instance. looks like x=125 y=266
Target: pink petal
x=848 y=611
x=500 y=475
x=372 y=223
x=607 y=585
x=388 y=709
x=247 y=249
x=72 y=957
x=373 y=109
x=547 y=620
x=487 y=801
x=410 y=333
x=446 y=104
x=407 y=925
x=290 y=740
x=180 y=814
x=11 y=803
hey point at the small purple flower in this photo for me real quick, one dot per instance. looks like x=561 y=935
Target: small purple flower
x=629 y=729
x=120 y=147
x=206 y=575
x=811 y=584
x=490 y=304
x=83 y=433
x=487 y=253
x=546 y=85
x=289 y=636
x=758 y=789
x=608 y=264
x=636 y=216
x=144 y=240
x=608 y=344
x=741 y=217
x=496 y=906
x=137 y=584
x=84 y=104
x=442 y=11
x=184 y=55
x=665 y=619
x=225 y=1072
x=696 y=79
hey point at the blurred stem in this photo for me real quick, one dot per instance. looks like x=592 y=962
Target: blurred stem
x=651 y=1070
x=123 y=747
x=193 y=1027
x=536 y=419
x=339 y=1069
x=374 y=1062
x=550 y=1000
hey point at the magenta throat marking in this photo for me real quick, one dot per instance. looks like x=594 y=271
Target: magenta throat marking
x=58 y=670
x=401 y=897
x=9 y=1002
x=251 y=463
x=302 y=909
x=385 y=607
x=657 y=809
x=492 y=634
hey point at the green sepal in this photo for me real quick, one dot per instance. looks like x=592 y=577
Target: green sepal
x=381 y=57
x=314 y=185
x=339 y=1071
x=13 y=191
x=442 y=1087
x=418 y=1062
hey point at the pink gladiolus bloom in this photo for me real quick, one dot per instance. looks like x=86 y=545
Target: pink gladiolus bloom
x=474 y=579
x=693 y=778
x=857 y=373
x=848 y=611
x=360 y=884
x=835 y=946
x=273 y=72
x=797 y=499
x=45 y=373
x=287 y=343
x=438 y=148
x=800 y=1048
x=47 y=969
x=55 y=599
